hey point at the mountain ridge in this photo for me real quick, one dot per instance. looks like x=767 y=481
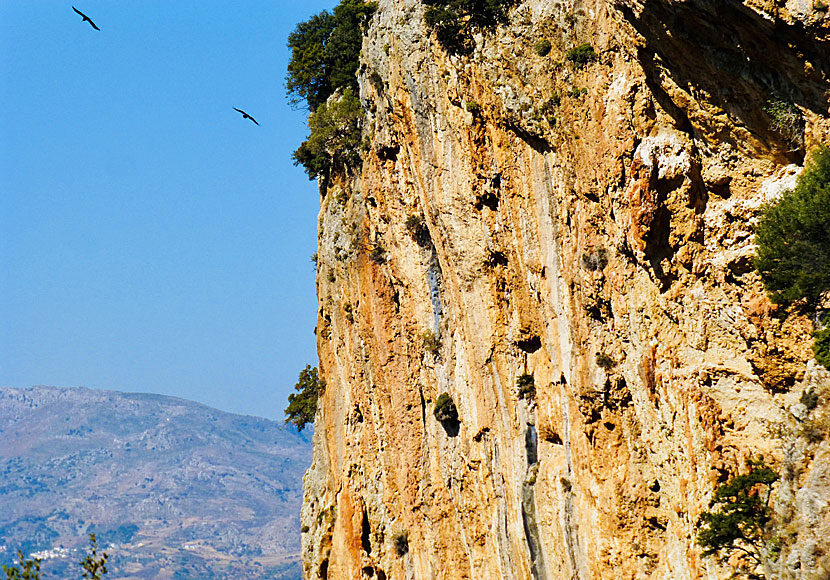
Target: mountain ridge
x=176 y=488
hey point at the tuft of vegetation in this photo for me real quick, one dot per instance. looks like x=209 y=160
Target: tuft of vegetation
x=739 y=518
x=400 y=542
x=378 y=253
x=821 y=346
x=431 y=342
x=417 y=228
x=820 y=6
x=455 y=21
x=787 y=120
x=605 y=362
x=793 y=238
x=527 y=386
x=809 y=398
x=473 y=108
x=543 y=47
x=581 y=55
x=302 y=405
x=445 y=409
x=334 y=136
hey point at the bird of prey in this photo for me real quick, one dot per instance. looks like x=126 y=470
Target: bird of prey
x=245 y=115
x=86 y=18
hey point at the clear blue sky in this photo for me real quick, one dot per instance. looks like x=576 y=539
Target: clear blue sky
x=150 y=238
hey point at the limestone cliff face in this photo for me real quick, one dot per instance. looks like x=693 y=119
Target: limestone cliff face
x=591 y=226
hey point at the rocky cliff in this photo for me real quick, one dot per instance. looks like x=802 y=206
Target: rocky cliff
x=589 y=223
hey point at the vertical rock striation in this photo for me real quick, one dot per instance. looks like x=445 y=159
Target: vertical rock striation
x=589 y=225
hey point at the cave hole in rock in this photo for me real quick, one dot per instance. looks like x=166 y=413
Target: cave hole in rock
x=489 y=200
x=365 y=532
x=324 y=569
x=553 y=437
x=369 y=571
x=530 y=344
x=609 y=425
x=381 y=575
x=655 y=487
x=389 y=153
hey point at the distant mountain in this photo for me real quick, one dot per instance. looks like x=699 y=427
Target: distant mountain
x=172 y=488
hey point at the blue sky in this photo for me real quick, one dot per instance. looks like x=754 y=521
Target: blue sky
x=150 y=238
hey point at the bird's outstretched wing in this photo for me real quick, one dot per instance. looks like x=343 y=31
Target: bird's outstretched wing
x=245 y=115
x=86 y=18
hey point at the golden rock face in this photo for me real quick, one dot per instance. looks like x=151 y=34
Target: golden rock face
x=590 y=226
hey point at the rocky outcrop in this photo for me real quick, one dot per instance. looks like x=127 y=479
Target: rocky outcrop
x=588 y=225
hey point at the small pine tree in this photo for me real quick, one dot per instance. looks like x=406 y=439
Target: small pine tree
x=738 y=522
x=302 y=405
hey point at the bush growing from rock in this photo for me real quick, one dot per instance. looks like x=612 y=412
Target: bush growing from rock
x=527 y=386
x=543 y=47
x=739 y=518
x=581 y=55
x=793 y=238
x=302 y=405
x=445 y=409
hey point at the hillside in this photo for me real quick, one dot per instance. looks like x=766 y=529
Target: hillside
x=177 y=489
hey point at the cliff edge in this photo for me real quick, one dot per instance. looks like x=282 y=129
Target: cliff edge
x=586 y=221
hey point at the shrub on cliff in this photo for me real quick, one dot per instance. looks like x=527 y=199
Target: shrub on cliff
x=581 y=55
x=302 y=405
x=793 y=238
x=455 y=21
x=334 y=136
x=738 y=521
x=445 y=409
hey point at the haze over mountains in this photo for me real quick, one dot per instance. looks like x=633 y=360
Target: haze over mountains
x=175 y=489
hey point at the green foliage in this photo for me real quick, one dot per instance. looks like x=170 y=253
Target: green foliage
x=445 y=409
x=431 y=342
x=325 y=53
x=740 y=516
x=793 y=237
x=455 y=21
x=605 y=362
x=378 y=253
x=302 y=405
x=809 y=398
x=94 y=566
x=526 y=385
x=334 y=136
x=787 y=120
x=581 y=55
x=30 y=569
x=473 y=108
x=821 y=347
x=543 y=47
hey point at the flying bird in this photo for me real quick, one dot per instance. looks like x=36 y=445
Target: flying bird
x=245 y=115
x=86 y=18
